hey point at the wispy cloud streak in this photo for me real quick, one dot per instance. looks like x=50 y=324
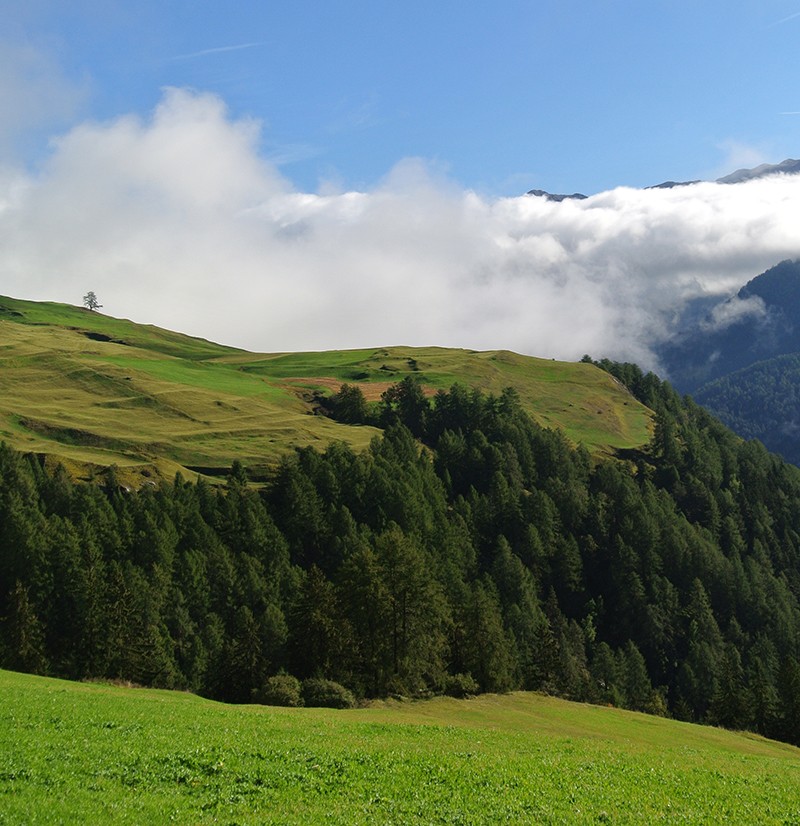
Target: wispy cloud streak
x=217 y=50
x=784 y=20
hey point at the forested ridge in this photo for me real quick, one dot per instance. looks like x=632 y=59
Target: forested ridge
x=746 y=369
x=760 y=402
x=468 y=549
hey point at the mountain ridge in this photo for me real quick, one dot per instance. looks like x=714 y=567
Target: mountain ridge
x=789 y=166
x=740 y=358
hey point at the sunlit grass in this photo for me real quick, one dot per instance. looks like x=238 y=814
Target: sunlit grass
x=73 y=753
x=96 y=391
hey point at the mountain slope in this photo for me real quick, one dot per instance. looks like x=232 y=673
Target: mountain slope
x=739 y=359
x=93 y=391
x=760 y=322
x=761 y=401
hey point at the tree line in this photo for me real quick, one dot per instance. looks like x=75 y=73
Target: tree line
x=468 y=549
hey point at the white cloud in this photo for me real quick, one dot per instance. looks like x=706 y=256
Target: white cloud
x=179 y=221
x=733 y=310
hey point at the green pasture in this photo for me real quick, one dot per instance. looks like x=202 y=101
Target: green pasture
x=143 y=336
x=92 y=391
x=87 y=753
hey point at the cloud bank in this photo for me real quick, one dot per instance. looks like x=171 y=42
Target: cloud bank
x=180 y=221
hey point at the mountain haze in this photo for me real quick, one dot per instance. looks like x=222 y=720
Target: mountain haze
x=739 y=358
x=759 y=322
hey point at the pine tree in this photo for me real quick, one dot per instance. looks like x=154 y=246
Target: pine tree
x=24 y=646
x=730 y=706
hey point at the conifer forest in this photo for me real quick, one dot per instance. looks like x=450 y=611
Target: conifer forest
x=467 y=550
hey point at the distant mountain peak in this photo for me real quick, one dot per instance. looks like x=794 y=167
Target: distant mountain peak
x=540 y=193
x=788 y=167
x=671 y=184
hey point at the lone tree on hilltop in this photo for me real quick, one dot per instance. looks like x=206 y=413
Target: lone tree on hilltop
x=90 y=301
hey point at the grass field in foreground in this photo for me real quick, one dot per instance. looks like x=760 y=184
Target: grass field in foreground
x=85 y=753
x=92 y=391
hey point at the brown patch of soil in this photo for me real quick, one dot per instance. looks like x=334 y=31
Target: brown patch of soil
x=372 y=390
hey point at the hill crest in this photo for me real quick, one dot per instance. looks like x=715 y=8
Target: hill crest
x=92 y=391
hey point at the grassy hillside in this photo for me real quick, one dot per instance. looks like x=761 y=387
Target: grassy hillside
x=93 y=391
x=84 y=753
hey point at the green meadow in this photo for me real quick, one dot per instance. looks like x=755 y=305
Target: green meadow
x=93 y=391
x=89 y=753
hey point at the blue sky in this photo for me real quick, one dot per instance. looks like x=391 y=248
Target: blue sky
x=295 y=175
x=502 y=97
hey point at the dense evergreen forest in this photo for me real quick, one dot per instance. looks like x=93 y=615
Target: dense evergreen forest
x=467 y=550
x=760 y=402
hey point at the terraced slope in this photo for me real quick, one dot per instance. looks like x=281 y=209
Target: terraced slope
x=93 y=391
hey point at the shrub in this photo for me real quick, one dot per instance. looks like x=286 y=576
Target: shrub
x=656 y=703
x=461 y=685
x=282 y=690
x=319 y=693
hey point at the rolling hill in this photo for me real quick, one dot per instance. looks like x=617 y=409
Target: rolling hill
x=96 y=753
x=93 y=391
x=498 y=559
